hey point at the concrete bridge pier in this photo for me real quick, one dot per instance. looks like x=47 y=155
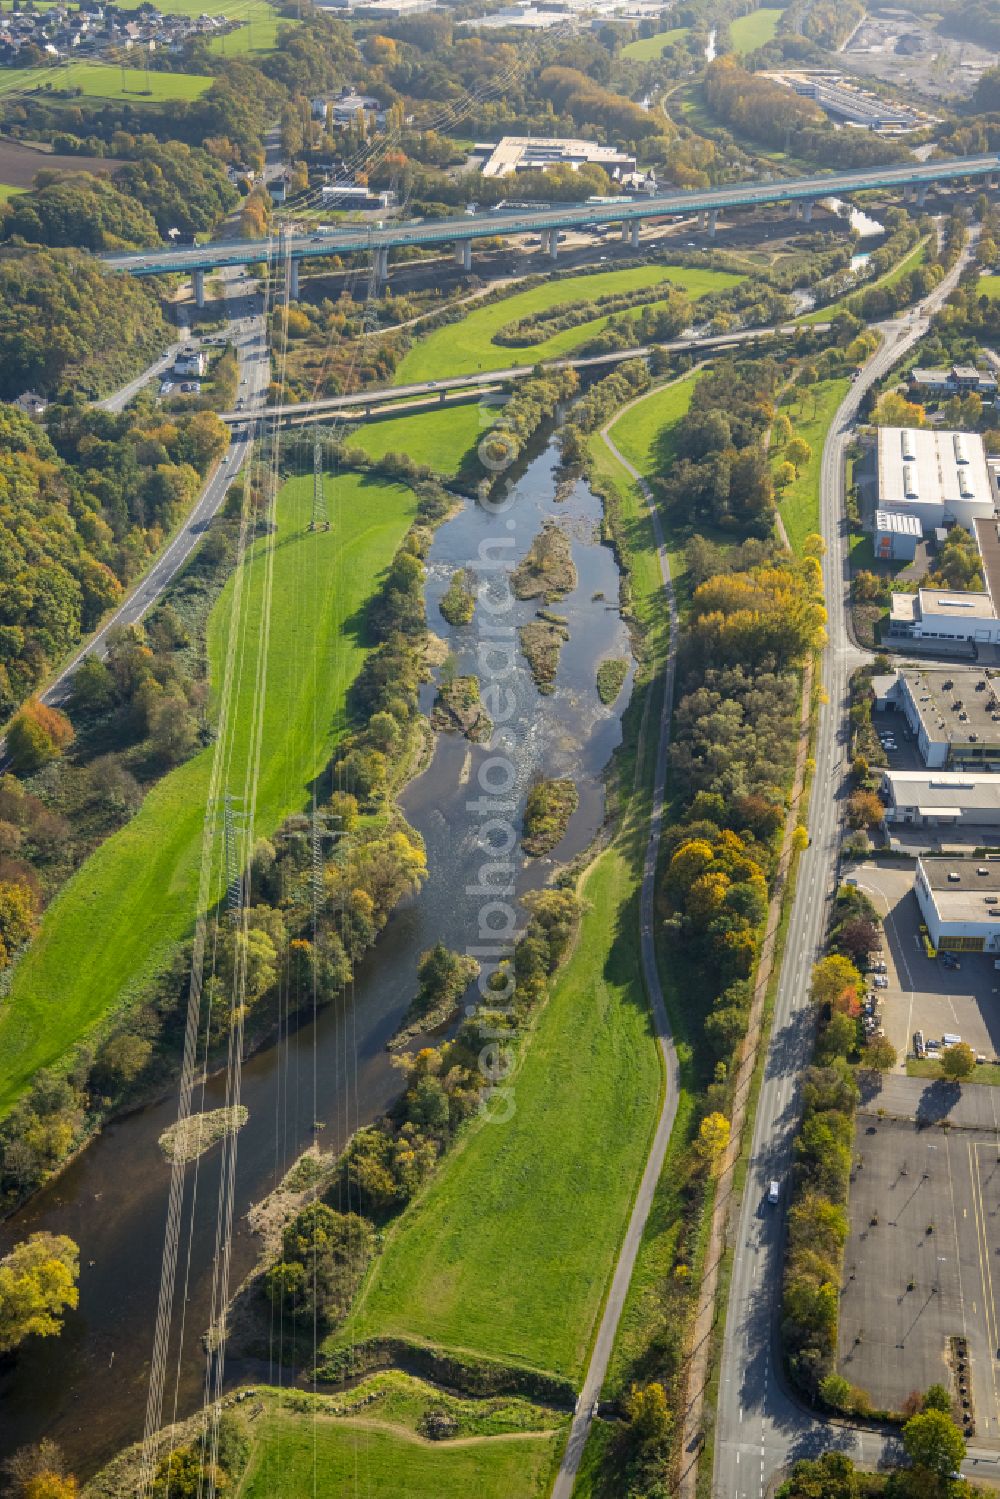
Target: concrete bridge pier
x=463 y=254
x=807 y=211
x=921 y=194
x=625 y=231
x=293 y=281
x=199 y=288
x=553 y=245
x=636 y=226
x=713 y=219
x=381 y=266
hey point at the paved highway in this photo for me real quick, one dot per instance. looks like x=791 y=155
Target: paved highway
x=348 y=238
x=386 y=393
x=759 y=1428
x=247 y=332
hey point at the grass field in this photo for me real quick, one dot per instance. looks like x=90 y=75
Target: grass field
x=810 y=413
x=95 y=80
x=983 y=1072
x=508 y=1250
x=647 y=48
x=6 y=191
x=466 y=347
x=988 y=286
x=305 y=1454
x=747 y=33
x=116 y=923
x=258 y=33
x=439 y=438
x=643 y=435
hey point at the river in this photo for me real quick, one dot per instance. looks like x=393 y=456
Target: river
x=87 y=1388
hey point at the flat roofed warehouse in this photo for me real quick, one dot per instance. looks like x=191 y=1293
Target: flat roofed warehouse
x=942 y=478
x=959 y=900
x=524 y=153
x=954 y=713
x=941 y=798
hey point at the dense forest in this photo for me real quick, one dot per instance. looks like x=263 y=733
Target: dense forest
x=82 y=509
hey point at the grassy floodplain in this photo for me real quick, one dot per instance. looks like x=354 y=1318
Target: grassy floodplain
x=293 y=1452
x=647 y=48
x=117 y=921
x=438 y=438
x=95 y=80
x=257 y=34
x=508 y=1250
x=467 y=347
x=749 y=32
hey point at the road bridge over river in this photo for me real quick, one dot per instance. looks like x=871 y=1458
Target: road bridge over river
x=913 y=178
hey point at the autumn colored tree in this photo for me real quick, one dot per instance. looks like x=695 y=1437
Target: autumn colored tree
x=798 y=453
x=713 y=1137
x=830 y=977
x=37 y=1283
x=17 y=917
x=879 y=1054
x=37 y=735
x=864 y=809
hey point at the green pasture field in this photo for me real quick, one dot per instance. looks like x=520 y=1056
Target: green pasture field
x=117 y=922
x=648 y=48
x=508 y=1250
x=96 y=80
x=465 y=348
x=438 y=438
x=749 y=32
x=296 y=1454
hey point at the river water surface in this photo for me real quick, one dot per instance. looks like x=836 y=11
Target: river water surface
x=87 y=1388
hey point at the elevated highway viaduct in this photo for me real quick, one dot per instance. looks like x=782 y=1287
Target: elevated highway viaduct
x=913 y=179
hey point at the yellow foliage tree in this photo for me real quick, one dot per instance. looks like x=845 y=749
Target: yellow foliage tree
x=37 y=1283
x=713 y=1137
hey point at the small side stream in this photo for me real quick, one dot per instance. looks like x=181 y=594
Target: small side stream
x=87 y=1388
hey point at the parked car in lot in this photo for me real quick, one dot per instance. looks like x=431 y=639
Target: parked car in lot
x=918 y=1043
x=949 y=960
x=880 y=981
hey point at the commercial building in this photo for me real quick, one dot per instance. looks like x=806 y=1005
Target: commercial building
x=941 y=798
x=959 y=900
x=953 y=713
x=842 y=99
x=960 y=380
x=939 y=614
x=522 y=153
x=896 y=536
x=942 y=478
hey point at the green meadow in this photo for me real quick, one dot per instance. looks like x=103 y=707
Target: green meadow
x=467 y=347
x=509 y=1248
x=115 y=924
x=95 y=80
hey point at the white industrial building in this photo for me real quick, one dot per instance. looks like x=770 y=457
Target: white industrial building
x=523 y=153
x=941 y=478
x=941 y=798
x=952 y=712
x=959 y=900
x=941 y=614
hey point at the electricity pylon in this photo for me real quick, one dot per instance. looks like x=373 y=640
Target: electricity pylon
x=320 y=520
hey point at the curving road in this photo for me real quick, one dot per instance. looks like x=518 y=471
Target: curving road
x=759 y=1427
x=247 y=332
x=613 y=1307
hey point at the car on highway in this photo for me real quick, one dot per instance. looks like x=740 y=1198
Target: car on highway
x=773 y=1191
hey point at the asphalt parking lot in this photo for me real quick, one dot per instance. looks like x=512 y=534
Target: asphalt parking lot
x=923 y=994
x=922 y=1263
x=905 y=756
